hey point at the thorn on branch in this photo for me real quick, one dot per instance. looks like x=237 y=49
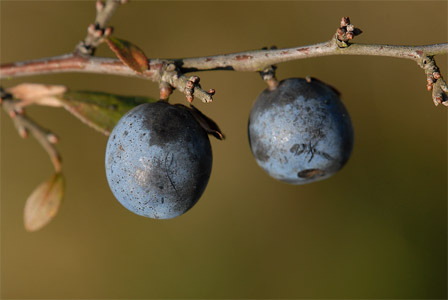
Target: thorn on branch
x=346 y=32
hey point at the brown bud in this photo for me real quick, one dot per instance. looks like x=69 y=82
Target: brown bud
x=170 y=67
x=190 y=84
x=98 y=33
x=91 y=29
x=340 y=32
x=23 y=132
x=429 y=86
x=17 y=110
x=211 y=92
x=437 y=100
x=350 y=27
x=165 y=92
x=194 y=79
x=108 y=31
x=357 y=31
x=345 y=21
x=99 y=5
x=436 y=75
x=430 y=79
x=52 y=138
x=190 y=98
x=349 y=35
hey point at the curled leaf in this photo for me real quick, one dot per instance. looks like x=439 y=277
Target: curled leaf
x=206 y=123
x=43 y=203
x=129 y=54
x=100 y=110
x=36 y=93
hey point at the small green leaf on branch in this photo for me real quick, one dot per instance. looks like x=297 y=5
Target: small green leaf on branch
x=43 y=203
x=100 y=111
x=129 y=54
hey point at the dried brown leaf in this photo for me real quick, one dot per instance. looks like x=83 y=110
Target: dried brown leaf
x=35 y=93
x=43 y=203
x=129 y=54
x=206 y=123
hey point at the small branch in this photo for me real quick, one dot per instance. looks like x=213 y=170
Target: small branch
x=25 y=125
x=250 y=61
x=97 y=31
x=255 y=61
x=168 y=72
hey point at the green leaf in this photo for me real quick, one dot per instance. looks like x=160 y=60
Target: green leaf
x=131 y=55
x=43 y=203
x=100 y=110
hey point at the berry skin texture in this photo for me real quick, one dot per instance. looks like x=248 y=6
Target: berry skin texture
x=300 y=132
x=158 y=160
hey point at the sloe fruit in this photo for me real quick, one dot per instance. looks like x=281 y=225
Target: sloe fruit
x=158 y=160
x=300 y=132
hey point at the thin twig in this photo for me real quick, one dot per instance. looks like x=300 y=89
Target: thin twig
x=25 y=125
x=251 y=61
x=97 y=31
x=171 y=71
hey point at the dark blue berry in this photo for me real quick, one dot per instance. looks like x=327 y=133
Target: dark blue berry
x=158 y=160
x=300 y=132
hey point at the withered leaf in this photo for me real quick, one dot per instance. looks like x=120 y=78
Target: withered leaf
x=43 y=203
x=131 y=55
x=206 y=123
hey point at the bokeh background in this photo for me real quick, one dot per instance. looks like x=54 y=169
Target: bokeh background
x=377 y=229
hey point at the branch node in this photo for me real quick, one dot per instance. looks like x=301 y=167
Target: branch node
x=98 y=30
x=268 y=76
x=346 y=32
x=189 y=89
x=434 y=80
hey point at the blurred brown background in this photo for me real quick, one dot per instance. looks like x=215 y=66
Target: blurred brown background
x=377 y=229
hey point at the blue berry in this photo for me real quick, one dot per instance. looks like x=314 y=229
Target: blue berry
x=300 y=132
x=158 y=160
